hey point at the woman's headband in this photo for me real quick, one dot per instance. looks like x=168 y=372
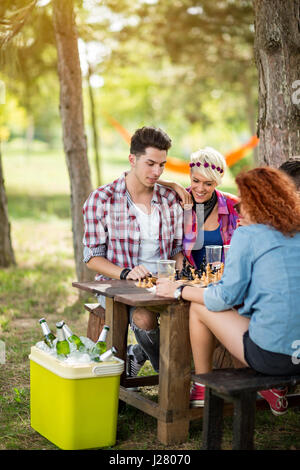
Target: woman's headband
x=206 y=165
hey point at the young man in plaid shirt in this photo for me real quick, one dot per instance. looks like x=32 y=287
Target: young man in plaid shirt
x=129 y=225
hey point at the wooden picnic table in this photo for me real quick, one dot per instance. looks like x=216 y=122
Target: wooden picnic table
x=172 y=410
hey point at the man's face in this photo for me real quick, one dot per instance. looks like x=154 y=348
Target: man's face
x=148 y=167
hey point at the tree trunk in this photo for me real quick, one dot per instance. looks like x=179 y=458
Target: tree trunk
x=277 y=52
x=71 y=109
x=7 y=257
x=94 y=127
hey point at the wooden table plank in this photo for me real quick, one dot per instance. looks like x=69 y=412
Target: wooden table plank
x=125 y=292
x=108 y=288
x=143 y=299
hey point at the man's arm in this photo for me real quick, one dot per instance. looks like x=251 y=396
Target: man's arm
x=179 y=260
x=105 y=267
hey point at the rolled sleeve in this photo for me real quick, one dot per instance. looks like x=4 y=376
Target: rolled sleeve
x=176 y=250
x=89 y=253
x=94 y=229
x=213 y=299
x=94 y=239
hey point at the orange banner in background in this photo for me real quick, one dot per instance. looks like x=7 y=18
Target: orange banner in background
x=180 y=166
x=235 y=156
x=123 y=132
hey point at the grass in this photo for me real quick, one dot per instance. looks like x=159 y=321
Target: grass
x=40 y=286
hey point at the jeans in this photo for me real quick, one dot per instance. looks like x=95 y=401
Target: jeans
x=148 y=343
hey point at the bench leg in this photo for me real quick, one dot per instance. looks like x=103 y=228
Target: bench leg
x=244 y=421
x=212 y=421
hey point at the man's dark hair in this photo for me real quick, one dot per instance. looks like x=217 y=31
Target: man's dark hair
x=149 y=137
x=292 y=168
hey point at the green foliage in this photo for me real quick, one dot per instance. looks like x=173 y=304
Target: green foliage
x=243 y=165
x=201 y=82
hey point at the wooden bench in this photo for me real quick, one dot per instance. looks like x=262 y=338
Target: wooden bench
x=240 y=387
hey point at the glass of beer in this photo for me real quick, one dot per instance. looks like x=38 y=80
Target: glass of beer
x=214 y=255
x=166 y=268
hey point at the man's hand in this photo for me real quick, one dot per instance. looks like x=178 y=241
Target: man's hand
x=137 y=273
x=166 y=288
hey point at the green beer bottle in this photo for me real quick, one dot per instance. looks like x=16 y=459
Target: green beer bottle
x=73 y=338
x=100 y=346
x=62 y=345
x=49 y=337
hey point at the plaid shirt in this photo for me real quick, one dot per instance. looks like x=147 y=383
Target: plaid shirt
x=227 y=218
x=112 y=230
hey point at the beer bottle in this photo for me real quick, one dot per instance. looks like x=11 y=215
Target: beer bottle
x=100 y=346
x=62 y=345
x=73 y=338
x=49 y=337
x=108 y=355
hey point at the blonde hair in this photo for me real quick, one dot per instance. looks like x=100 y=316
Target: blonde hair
x=210 y=163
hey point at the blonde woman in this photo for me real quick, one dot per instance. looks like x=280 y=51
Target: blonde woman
x=213 y=217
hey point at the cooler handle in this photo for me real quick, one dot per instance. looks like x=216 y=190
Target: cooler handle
x=97 y=370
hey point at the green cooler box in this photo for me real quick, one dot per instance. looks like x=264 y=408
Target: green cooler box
x=75 y=406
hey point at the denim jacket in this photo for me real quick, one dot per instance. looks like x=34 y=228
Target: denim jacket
x=262 y=272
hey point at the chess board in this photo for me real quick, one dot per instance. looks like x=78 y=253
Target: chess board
x=189 y=276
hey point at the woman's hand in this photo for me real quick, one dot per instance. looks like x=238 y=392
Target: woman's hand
x=165 y=287
x=185 y=196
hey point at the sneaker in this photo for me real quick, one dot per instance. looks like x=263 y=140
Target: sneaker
x=276 y=399
x=132 y=365
x=197 y=395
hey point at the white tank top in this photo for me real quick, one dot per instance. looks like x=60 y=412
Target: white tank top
x=149 y=252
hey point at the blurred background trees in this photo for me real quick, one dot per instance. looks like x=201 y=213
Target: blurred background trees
x=189 y=69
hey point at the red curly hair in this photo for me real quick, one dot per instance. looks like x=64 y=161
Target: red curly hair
x=270 y=197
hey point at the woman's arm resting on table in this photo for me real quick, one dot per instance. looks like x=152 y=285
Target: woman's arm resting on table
x=166 y=288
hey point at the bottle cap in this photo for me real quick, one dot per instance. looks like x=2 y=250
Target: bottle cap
x=60 y=324
x=41 y=320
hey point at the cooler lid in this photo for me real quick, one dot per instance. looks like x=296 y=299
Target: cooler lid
x=78 y=370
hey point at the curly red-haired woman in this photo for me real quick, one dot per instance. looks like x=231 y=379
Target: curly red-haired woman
x=262 y=275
